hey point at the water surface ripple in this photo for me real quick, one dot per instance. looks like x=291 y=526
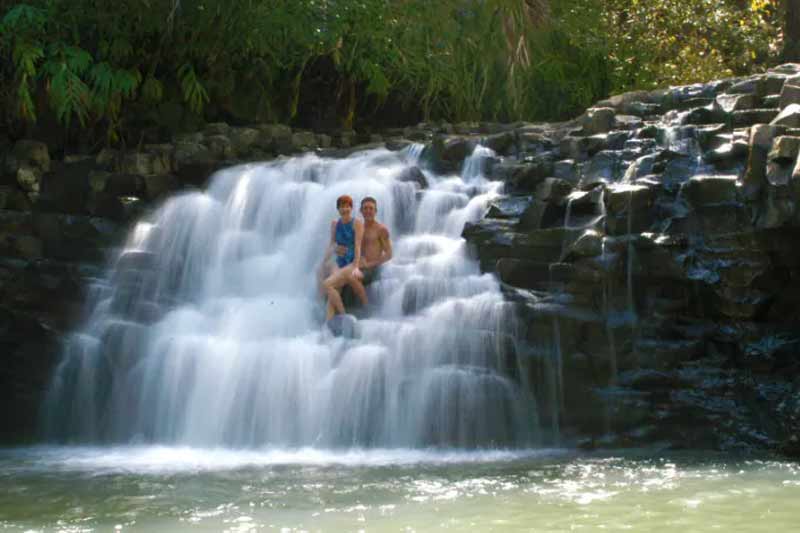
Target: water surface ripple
x=188 y=489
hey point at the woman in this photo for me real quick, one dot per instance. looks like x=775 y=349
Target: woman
x=347 y=233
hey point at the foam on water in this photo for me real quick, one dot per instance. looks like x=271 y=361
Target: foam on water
x=157 y=460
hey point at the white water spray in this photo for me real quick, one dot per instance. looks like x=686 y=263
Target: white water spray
x=207 y=332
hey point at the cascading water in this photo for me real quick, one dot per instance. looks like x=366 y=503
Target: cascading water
x=207 y=329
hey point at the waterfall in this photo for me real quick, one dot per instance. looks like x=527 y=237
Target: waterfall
x=207 y=327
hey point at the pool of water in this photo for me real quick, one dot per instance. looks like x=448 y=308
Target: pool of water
x=186 y=489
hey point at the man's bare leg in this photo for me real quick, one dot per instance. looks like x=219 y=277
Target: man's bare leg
x=359 y=290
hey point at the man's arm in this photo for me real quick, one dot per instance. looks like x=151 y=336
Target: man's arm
x=386 y=245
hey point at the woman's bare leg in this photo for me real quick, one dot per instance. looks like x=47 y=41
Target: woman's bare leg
x=332 y=285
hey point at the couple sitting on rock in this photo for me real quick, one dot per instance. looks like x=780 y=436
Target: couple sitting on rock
x=359 y=249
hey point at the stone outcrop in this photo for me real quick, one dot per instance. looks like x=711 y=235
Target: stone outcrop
x=654 y=263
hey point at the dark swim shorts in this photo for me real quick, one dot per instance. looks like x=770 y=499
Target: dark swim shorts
x=370 y=275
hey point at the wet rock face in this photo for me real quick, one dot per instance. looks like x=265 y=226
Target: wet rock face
x=658 y=255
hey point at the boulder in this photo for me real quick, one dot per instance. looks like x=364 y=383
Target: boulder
x=778 y=173
x=455 y=150
x=244 y=139
x=303 y=141
x=572 y=148
x=66 y=187
x=324 y=141
x=216 y=128
x=790 y=94
x=219 y=146
x=701 y=191
x=590 y=244
x=29 y=179
x=728 y=155
x=621 y=198
x=273 y=137
x=159 y=185
x=788 y=117
x=98 y=179
x=604 y=167
x=755 y=175
x=701 y=115
x=728 y=103
x=136 y=163
x=119 y=184
x=598 y=120
x=524 y=177
x=28 y=153
x=567 y=170
x=749 y=117
x=771 y=101
x=345 y=326
x=773 y=83
x=753 y=86
x=552 y=190
x=191 y=153
x=627 y=122
x=502 y=143
x=161 y=158
x=413 y=175
x=107 y=158
x=509 y=207
x=538 y=214
x=345 y=138
x=194 y=163
x=784 y=149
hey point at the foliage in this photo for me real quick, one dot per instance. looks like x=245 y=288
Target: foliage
x=671 y=42
x=119 y=65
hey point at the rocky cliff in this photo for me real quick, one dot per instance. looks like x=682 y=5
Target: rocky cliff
x=652 y=245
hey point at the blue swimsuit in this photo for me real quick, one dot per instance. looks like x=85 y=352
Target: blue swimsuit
x=346 y=236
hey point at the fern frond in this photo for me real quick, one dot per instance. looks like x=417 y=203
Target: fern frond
x=126 y=81
x=24 y=16
x=193 y=91
x=25 y=56
x=102 y=77
x=78 y=60
x=68 y=93
x=27 y=109
x=152 y=90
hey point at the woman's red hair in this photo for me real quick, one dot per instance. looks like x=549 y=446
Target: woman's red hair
x=344 y=200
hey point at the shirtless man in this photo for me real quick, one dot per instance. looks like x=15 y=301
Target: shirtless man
x=376 y=248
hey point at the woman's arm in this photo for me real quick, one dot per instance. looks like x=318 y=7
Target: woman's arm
x=331 y=244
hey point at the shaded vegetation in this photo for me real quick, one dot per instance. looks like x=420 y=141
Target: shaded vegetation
x=111 y=70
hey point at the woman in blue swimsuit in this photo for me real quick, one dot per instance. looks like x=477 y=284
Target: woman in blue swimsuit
x=346 y=232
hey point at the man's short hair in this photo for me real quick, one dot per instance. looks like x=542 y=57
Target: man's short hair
x=344 y=200
x=369 y=199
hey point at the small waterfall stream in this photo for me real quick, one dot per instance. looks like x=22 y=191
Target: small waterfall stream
x=206 y=330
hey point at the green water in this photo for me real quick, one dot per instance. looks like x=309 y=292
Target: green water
x=182 y=489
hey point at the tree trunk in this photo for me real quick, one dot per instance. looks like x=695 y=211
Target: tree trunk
x=791 y=31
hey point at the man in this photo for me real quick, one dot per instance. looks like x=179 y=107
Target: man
x=376 y=248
